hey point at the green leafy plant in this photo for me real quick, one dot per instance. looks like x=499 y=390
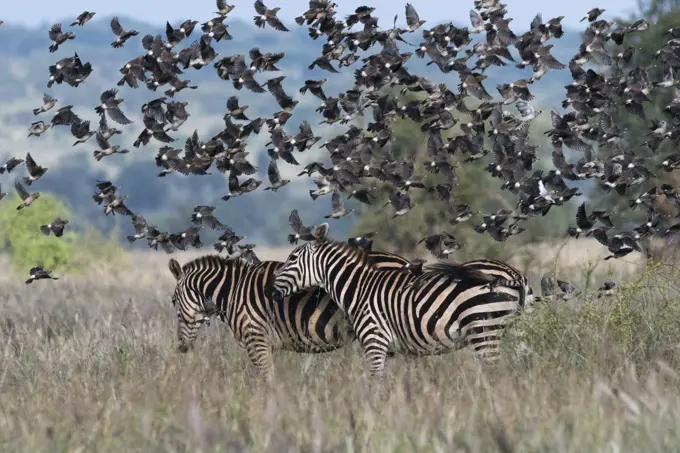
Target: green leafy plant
x=21 y=237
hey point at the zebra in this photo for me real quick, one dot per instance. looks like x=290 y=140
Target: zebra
x=445 y=308
x=237 y=291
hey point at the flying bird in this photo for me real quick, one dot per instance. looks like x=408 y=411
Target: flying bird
x=39 y=273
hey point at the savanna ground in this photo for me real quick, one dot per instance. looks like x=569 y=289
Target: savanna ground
x=89 y=363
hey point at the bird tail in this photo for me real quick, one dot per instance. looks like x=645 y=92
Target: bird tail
x=195 y=219
x=99 y=110
x=292 y=239
x=98 y=155
x=131 y=239
x=53 y=48
x=327 y=216
x=45 y=230
x=313 y=195
x=36 y=111
x=219 y=247
x=2 y=170
x=300 y=20
x=27 y=181
x=258 y=21
x=226 y=197
x=29 y=281
x=303 y=90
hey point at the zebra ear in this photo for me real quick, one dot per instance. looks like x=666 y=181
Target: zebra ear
x=321 y=232
x=175 y=268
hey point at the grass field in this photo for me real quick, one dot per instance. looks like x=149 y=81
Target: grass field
x=90 y=364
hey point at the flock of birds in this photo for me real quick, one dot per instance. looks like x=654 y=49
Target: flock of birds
x=385 y=89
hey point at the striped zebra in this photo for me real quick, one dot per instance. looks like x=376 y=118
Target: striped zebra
x=237 y=292
x=447 y=307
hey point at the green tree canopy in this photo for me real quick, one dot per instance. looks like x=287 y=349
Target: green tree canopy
x=75 y=251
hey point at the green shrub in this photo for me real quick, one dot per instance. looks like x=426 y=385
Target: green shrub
x=21 y=237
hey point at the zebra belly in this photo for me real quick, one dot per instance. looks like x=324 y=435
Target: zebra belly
x=446 y=318
x=309 y=322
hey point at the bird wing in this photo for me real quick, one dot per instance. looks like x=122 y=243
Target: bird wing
x=582 y=220
x=36 y=270
x=273 y=172
x=320 y=181
x=547 y=284
x=395 y=199
x=412 y=17
x=566 y=287
x=255 y=53
x=139 y=223
x=306 y=129
x=55 y=32
x=476 y=19
x=294 y=221
x=524 y=108
x=336 y=202
x=101 y=141
x=232 y=103
x=115 y=26
x=118 y=116
x=31 y=165
x=108 y=94
x=260 y=7
x=23 y=194
x=275 y=88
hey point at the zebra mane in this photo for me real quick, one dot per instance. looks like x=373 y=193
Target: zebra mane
x=362 y=256
x=212 y=260
x=458 y=272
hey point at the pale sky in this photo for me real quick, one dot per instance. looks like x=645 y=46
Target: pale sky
x=35 y=12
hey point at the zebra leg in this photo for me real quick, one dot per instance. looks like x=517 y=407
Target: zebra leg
x=375 y=345
x=260 y=351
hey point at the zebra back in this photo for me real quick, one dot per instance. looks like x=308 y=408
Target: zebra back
x=506 y=275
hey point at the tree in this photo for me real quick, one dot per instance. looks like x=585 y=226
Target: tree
x=20 y=233
x=79 y=247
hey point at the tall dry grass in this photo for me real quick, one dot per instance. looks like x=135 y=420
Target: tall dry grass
x=90 y=365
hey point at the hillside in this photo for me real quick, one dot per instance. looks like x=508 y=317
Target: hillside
x=168 y=201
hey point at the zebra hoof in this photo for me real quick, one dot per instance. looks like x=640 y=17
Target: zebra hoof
x=183 y=348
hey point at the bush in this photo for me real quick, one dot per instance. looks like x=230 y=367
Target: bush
x=20 y=235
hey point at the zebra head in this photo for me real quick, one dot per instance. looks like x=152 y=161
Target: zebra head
x=300 y=271
x=193 y=308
